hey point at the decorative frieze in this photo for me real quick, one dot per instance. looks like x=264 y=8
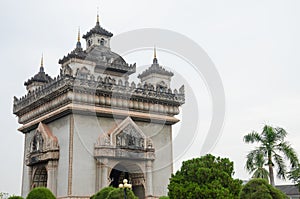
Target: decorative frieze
x=106 y=92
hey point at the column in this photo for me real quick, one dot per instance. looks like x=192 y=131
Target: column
x=104 y=173
x=52 y=176
x=98 y=176
x=149 y=185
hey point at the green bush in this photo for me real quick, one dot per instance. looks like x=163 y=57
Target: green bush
x=113 y=193
x=260 y=189
x=164 y=197
x=118 y=193
x=103 y=193
x=40 y=193
x=15 y=197
x=206 y=177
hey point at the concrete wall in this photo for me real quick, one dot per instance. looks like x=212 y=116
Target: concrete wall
x=61 y=129
x=163 y=163
x=26 y=183
x=86 y=131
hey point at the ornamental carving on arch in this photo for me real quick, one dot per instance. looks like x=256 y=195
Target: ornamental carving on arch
x=125 y=140
x=43 y=146
x=130 y=138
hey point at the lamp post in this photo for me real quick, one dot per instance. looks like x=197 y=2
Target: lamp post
x=126 y=186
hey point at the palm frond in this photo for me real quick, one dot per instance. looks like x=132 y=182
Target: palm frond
x=294 y=175
x=261 y=173
x=251 y=160
x=280 y=133
x=252 y=137
x=281 y=170
x=289 y=153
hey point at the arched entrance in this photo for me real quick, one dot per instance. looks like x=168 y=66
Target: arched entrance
x=40 y=177
x=132 y=173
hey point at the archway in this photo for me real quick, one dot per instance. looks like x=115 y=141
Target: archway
x=40 y=177
x=132 y=173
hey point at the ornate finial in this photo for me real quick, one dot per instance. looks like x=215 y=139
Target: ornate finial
x=42 y=64
x=78 y=37
x=78 y=45
x=98 y=15
x=155 y=58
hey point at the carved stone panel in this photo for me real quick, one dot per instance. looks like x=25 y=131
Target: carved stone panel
x=130 y=138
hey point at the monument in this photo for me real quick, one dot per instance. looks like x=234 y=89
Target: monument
x=90 y=127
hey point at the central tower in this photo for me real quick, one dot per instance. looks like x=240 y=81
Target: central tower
x=90 y=127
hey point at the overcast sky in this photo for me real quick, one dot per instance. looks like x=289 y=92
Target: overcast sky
x=253 y=44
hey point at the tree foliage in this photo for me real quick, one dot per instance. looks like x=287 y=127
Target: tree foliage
x=15 y=197
x=103 y=193
x=294 y=175
x=271 y=151
x=113 y=193
x=207 y=177
x=40 y=193
x=261 y=189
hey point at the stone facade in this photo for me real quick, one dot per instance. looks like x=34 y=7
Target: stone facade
x=90 y=127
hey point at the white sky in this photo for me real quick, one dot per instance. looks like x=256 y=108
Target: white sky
x=253 y=44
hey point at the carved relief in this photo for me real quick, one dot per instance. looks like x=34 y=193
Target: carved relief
x=37 y=142
x=43 y=146
x=83 y=73
x=130 y=138
x=66 y=70
x=125 y=140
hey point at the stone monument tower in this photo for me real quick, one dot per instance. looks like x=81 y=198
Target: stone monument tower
x=90 y=127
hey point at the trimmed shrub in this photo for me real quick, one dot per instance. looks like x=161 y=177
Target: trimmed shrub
x=260 y=189
x=15 y=197
x=40 y=193
x=103 y=193
x=164 y=197
x=118 y=193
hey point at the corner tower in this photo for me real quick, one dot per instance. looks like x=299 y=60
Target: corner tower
x=90 y=127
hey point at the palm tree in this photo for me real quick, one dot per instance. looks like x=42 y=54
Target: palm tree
x=274 y=149
x=255 y=164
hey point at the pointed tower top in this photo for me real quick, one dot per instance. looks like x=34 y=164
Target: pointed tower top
x=78 y=45
x=155 y=58
x=78 y=36
x=98 y=22
x=42 y=64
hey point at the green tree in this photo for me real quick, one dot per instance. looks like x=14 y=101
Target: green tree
x=208 y=177
x=40 y=193
x=260 y=189
x=294 y=175
x=274 y=149
x=255 y=164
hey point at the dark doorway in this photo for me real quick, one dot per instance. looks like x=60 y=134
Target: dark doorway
x=120 y=172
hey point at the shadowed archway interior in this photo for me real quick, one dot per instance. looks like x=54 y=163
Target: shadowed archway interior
x=132 y=173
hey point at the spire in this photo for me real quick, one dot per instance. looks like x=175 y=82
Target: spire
x=42 y=64
x=155 y=58
x=98 y=23
x=78 y=37
x=78 y=45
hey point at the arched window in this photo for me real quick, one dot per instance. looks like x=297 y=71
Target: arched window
x=102 y=41
x=40 y=177
x=89 y=42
